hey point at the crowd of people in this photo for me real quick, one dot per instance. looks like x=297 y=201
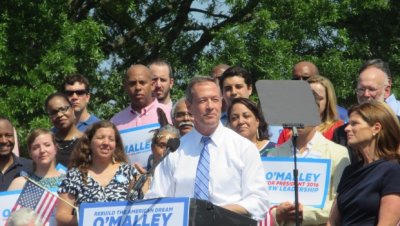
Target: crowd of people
x=223 y=139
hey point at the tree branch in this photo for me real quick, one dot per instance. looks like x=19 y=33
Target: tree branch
x=241 y=16
x=209 y=13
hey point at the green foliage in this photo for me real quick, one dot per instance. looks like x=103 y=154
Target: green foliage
x=41 y=42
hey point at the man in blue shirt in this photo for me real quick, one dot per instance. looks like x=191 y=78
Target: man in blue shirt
x=76 y=87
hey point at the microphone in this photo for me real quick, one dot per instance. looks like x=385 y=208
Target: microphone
x=172 y=145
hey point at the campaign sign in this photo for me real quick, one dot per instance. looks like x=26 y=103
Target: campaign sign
x=8 y=200
x=154 y=212
x=137 y=142
x=313 y=180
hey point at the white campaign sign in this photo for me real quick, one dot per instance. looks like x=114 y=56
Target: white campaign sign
x=313 y=180
x=154 y=212
x=137 y=142
x=7 y=202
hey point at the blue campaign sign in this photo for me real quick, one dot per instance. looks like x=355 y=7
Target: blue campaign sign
x=161 y=211
x=313 y=179
x=137 y=142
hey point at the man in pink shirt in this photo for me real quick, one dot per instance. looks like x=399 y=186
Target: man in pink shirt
x=142 y=111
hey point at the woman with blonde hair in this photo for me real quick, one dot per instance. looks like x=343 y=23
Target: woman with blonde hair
x=98 y=172
x=369 y=191
x=326 y=99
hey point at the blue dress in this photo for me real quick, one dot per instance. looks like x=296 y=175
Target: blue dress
x=361 y=189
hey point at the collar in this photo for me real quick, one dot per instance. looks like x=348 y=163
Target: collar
x=146 y=109
x=16 y=162
x=391 y=98
x=310 y=151
x=216 y=136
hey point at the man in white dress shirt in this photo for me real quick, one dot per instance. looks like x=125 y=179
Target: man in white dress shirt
x=236 y=175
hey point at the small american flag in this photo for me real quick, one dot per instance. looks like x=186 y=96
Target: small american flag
x=38 y=199
x=268 y=220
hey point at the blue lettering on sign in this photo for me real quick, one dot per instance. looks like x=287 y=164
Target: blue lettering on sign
x=138 y=147
x=269 y=176
x=279 y=175
x=115 y=221
x=282 y=176
x=6 y=213
x=156 y=219
x=134 y=220
x=166 y=218
x=99 y=221
x=127 y=221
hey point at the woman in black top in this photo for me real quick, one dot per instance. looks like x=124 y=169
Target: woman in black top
x=369 y=191
x=62 y=117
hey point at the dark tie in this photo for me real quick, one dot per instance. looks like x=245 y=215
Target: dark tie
x=203 y=172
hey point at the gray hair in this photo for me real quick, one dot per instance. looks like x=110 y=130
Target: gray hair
x=173 y=109
x=194 y=81
x=22 y=217
x=376 y=63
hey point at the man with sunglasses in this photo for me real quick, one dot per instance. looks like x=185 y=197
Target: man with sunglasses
x=76 y=87
x=303 y=70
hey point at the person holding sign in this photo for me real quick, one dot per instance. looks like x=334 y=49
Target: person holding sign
x=311 y=144
x=369 y=191
x=245 y=118
x=42 y=149
x=230 y=164
x=99 y=173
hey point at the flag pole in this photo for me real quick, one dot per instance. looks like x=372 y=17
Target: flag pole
x=40 y=186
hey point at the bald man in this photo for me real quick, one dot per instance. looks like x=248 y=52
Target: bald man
x=304 y=70
x=375 y=83
x=218 y=70
x=138 y=84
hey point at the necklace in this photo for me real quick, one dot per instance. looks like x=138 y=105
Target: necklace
x=65 y=144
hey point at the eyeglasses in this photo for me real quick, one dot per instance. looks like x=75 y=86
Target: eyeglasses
x=79 y=92
x=63 y=110
x=183 y=114
x=372 y=91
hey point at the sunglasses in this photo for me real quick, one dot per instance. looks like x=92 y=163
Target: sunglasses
x=79 y=92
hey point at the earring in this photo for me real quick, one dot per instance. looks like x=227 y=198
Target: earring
x=90 y=157
x=113 y=159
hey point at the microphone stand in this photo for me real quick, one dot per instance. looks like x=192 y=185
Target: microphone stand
x=295 y=175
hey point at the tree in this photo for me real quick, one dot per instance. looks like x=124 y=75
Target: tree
x=42 y=42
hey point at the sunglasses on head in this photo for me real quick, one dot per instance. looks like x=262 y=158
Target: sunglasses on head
x=79 y=92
